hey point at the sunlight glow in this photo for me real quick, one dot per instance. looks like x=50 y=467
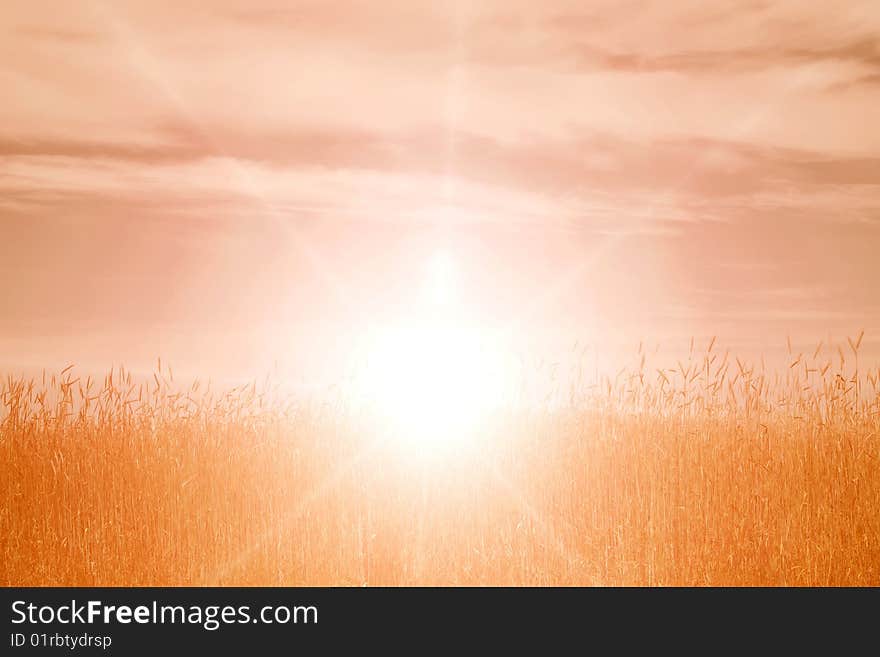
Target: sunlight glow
x=441 y=287
x=435 y=379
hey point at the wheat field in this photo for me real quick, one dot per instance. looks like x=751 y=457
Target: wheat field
x=712 y=471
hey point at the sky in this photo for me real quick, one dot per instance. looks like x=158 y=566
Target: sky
x=236 y=184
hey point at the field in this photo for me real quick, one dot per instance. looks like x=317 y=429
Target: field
x=711 y=471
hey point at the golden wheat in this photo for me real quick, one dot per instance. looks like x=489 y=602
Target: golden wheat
x=713 y=472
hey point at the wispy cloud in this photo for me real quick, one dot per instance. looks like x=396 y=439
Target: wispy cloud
x=729 y=146
x=54 y=34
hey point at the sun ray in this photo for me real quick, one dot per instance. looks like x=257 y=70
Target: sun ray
x=293 y=513
x=456 y=80
x=571 y=557
x=574 y=275
x=145 y=65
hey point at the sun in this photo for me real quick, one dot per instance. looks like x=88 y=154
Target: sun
x=441 y=284
x=435 y=377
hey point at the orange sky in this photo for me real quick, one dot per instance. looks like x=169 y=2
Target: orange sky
x=258 y=181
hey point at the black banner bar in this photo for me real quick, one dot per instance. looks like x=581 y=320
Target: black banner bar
x=129 y=621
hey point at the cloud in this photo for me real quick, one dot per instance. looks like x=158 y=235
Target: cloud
x=732 y=39
x=701 y=166
x=89 y=150
x=869 y=80
x=863 y=53
x=62 y=36
x=730 y=145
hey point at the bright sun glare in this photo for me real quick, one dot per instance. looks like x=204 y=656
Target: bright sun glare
x=434 y=378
